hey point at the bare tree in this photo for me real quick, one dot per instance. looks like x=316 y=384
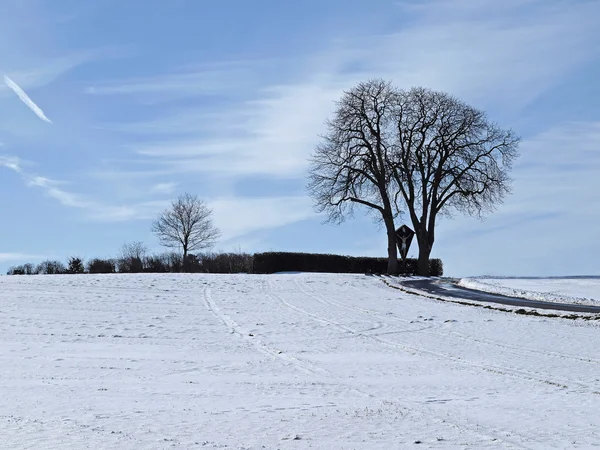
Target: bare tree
x=447 y=157
x=187 y=225
x=132 y=257
x=419 y=151
x=350 y=165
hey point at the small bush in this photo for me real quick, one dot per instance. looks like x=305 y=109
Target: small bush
x=131 y=264
x=98 y=265
x=16 y=270
x=156 y=264
x=436 y=267
x=163 y=263
x=50 y=268
x=225 y=262
x=76 y=265
x=174 y=261
x=132 y=258
x=272 y=262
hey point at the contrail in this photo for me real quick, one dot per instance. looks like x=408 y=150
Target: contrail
x=25 y=99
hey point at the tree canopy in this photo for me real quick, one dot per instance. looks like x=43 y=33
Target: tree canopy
x=187 y=225
x=417 y=152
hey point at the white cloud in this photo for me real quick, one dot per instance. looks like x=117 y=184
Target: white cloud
x=8 y=257
x=496 y=55
x=490 y=53
x=146 y=210
x=26 y=99
x=94 y=210
x=51 y=188
x=11 y=162
x=271 y=136
x=164 y=188
x=211 y=79
x=37 y=72
x=236 y=217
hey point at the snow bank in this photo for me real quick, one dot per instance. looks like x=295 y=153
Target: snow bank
x=557 y=290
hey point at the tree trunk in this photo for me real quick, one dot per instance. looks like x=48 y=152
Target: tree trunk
x=184 y=265
x=424 y=252
x=392 y=247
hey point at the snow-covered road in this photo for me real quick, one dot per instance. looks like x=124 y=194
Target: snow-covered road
x=284 y=361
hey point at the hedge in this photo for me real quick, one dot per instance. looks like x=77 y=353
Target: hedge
x=271 y=262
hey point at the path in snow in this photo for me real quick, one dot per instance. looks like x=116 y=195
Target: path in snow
x=283 y=361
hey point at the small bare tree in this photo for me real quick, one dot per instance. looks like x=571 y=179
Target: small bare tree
x=350 y=166
x=187 y=225
x=132 y=257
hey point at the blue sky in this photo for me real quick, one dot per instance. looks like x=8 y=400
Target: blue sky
x=149 y=99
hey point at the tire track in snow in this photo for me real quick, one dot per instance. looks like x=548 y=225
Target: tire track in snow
x=359 y=310
x=470 y=339
x=488 y=367
x=495 y=435
x=495 y=343
x=235 y=328
x=463 y=337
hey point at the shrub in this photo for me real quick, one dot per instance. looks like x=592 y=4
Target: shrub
x=436 y=267
x=50 y=268
x=225 y=262
x=174 y=261
x=75 y=265
x=163 y=263
x=16 y=270
x=156 y=264
x=130 y=265
x=271 y=262
x=132 y=258
x=98 y=265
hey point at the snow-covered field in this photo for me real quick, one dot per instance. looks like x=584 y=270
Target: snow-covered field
x=284 y=362
x=583 y=291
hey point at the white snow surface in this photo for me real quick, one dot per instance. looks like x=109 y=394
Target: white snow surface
x=290 y=361
x=581 y=291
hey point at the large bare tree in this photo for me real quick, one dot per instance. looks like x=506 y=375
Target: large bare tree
x=447 y=157
x=350 y=165
x=187 y=225
x=418 y=151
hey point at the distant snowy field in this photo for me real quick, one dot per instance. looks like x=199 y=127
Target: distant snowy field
x=584 y=291
x=290 y=361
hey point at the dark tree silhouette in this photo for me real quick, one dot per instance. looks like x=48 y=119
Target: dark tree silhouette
x=75 y=265
x=187 y=225
x=99 y=265
x=419 y=151
x=447 y=157
x=350 y=165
